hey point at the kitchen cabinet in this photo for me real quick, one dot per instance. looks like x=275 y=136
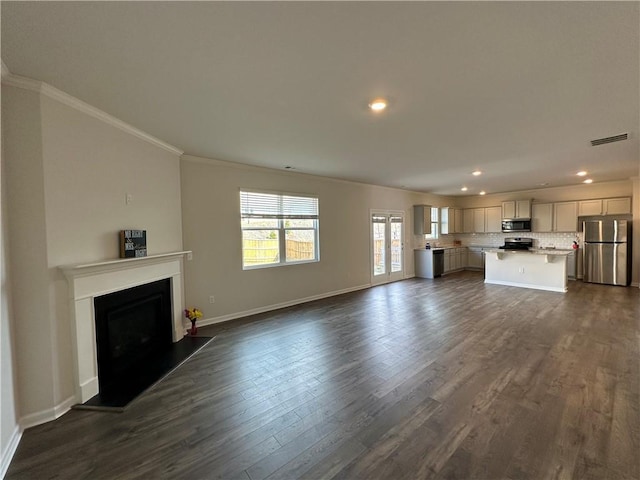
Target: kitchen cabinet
x=571 y=265
x=478 y=220
x=475 y=258
x=590 y=207
x=451 y=220
x=461 y=258
x=467 y=220
x=565 y=217
x=616 y=206
x=455 y=259
x=605 y=206
x=493 y=219
x=422 y=219
x=516 y=209
x=458 y=220
x=447 y=261
x=542 y=217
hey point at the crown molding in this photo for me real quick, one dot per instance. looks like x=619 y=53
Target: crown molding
x=25 y=83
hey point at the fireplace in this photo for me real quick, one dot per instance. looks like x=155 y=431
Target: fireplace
x=133 y=329
x=89 y=284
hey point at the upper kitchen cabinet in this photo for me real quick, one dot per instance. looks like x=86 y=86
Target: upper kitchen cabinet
x=493 y=219
x=542 y=217
x=478 y=220
x=516 y=209
x=451 y=220
x=590 y=207
x=617 y=206
x=565 y=217
x=422 y=219
x=467 y=220
x=606 y=206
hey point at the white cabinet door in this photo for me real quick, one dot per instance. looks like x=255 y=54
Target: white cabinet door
x=542 y=217
x=590 y=207
x=616 y=206
x=565 y=217
x=467 y=215
x=447 y=261
x=478 y=220
x=461 y=257
x=422 y=219
x=458 y=220
x=475 y=257
x=509 y=209
x=493 y=219
x=523 y=209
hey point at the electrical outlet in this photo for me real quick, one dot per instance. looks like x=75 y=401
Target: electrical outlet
x=212 y=299
x=128 y=199
x=189 y=256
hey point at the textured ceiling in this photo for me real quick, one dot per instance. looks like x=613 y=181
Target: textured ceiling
x=515 y=89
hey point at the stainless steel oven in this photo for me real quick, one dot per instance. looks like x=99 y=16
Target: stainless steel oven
x=522 y=225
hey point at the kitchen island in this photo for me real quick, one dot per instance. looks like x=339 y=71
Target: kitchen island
x=538 y=269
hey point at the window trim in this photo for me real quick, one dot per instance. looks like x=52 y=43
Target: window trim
x=282 y=229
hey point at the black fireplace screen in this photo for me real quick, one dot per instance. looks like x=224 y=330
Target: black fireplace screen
x=133 y=327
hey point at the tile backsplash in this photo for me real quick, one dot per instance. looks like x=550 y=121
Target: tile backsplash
x=551 y=239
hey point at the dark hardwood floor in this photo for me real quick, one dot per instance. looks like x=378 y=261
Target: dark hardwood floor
x=444 y=379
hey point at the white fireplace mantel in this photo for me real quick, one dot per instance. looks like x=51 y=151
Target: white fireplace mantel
x=92 y=280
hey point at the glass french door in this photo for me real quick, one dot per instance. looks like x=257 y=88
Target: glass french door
x=387 y=242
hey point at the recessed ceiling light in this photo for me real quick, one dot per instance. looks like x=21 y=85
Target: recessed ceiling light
x=482 y=192
x=475 y=173
x=464 y=189
x=588 y=180
x=378 y=104
x=544 y=184
x=289 y=167
x=581 y=173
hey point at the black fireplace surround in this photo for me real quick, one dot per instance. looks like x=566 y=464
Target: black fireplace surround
x=133 y=329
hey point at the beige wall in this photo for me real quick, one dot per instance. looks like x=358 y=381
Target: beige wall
x=211 y=226
x=68 y=174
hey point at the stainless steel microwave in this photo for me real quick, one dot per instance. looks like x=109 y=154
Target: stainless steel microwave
x=522 y=225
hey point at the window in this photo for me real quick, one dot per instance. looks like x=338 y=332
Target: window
x=278 y=229
x=435 y=211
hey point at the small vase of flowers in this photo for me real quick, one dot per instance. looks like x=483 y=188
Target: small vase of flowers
x=193 y=314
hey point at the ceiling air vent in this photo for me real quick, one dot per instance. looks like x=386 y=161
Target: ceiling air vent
x=615 y=138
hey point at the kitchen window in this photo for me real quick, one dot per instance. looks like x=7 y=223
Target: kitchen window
x=278 y=229
x=435 y=223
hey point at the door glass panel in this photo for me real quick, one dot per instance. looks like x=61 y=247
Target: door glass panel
x=396 y=244
x=379 y=245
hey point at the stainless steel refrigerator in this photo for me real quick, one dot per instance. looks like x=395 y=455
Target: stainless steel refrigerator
x=606 y=251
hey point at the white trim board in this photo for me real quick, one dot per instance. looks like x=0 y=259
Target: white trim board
x=10 y=451
x=25 y=83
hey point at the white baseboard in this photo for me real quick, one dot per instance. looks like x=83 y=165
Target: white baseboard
x=10 y=451
x=635 y=284
x=47 y=415
x=276 y=306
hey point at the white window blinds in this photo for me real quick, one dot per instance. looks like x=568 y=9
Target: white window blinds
x=270 y=205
